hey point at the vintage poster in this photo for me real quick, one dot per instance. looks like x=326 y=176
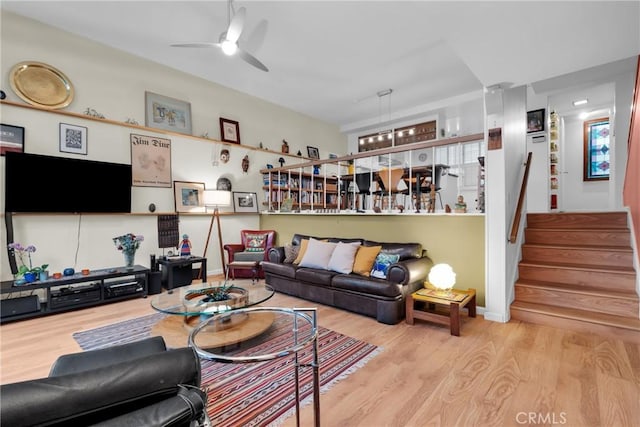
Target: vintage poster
x=150 y=161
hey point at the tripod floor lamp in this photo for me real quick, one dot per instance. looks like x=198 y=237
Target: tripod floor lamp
x=215 y=199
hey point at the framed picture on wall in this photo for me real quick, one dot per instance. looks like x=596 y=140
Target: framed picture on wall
x=245 y=202
x=313 y=152
x=73 y=139
x=229 y=131
x=11 y=139
x=150 y=161
x=162 y=112
x=189 y=196
x=535 y=120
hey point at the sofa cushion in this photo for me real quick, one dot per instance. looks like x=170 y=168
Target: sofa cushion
x=255 y=242
x=285 y=270
x=365 y=258
x=366 y=285
x=315 y=275
x=318 y=254
x=343 y=257
x=382 y=263
x=290 y=253
x=405 y=250
x=303 y=248
x=248 y=256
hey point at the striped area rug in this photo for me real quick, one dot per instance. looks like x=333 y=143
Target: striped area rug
x=253 y=394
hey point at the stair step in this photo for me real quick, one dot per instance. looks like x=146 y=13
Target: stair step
x=602 y=256
x=617 y=278
x=600 y=300
x=579 y=236
x=625 y=328
x=588 y=220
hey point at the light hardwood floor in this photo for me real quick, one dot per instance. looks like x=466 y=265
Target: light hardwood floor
x=494 y=374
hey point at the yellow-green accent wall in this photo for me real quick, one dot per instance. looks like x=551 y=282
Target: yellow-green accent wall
x=457 y=240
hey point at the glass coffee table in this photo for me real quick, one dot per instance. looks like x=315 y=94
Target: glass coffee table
x=188 y=306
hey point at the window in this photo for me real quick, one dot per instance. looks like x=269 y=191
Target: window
x=596 y=150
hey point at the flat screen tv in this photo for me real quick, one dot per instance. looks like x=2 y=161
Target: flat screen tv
x=37 y=183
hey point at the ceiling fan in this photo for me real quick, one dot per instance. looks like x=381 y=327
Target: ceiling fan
x=228 y=40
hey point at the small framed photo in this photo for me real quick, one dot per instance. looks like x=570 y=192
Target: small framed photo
x=162 y=112
x=11 y=139
x=535 y=120
x=189 y=196
x=313 y=152
x=245 y=202
x=229 y=131
x=73 y=139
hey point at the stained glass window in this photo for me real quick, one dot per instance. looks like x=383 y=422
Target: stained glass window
x=596 y=149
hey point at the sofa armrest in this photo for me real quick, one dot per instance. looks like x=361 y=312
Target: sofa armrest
x=409 y=271
x=189 y=405
x=92 y=359
x=276 y=254
x=101 y=393
x=232 y=249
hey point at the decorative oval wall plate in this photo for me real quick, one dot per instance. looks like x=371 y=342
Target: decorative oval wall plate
x=41 y=85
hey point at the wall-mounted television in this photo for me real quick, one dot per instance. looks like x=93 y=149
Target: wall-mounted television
x=38 y=183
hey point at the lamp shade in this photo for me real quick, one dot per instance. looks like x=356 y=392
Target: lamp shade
x=442 y=276
x=217 y=198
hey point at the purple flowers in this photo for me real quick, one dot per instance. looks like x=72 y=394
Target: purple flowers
x=20 y=251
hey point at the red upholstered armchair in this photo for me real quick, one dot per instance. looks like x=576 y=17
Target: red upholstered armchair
x=253 y=247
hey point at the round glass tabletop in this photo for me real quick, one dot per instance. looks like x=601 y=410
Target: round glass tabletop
x=210 y=298
x=254 y=334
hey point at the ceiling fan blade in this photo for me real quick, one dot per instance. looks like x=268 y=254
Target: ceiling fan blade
x=196 y=44
x=251 y=59
x=235 y=27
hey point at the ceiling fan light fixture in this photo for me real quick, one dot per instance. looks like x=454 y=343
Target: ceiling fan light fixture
x=228 y=47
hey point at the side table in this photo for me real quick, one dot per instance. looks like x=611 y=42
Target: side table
x=426 y=304
x=254 y=266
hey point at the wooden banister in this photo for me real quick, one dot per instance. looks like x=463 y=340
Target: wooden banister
x=523 y=190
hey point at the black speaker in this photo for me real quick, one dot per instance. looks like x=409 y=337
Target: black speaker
x=154 y=286
x=15 y=306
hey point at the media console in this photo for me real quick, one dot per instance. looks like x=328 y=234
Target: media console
x=72 y=292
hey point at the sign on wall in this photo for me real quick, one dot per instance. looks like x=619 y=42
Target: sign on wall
x=150 y=161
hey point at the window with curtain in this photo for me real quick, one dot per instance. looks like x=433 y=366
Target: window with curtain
x=596 y=149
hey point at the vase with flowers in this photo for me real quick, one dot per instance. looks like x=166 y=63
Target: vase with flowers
x=26 y=274
x=128 y=244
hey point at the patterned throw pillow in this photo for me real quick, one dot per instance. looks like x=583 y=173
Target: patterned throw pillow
x=382 y=263
x=290 y=253
x=256 y=242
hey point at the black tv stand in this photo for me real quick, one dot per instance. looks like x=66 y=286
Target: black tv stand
x=99 y=287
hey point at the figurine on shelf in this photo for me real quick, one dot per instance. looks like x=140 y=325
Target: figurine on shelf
x=461 y=206
x=285 y=147
x=185 y=246
x=245 y=164
x=281 y=161
x=432 y=199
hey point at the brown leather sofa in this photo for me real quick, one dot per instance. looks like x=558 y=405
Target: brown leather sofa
x=383 y=299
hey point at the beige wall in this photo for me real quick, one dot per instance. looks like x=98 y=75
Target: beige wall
x=457 y=240
x=114 y=83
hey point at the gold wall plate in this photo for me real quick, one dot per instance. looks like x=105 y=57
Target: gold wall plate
x=41 y=85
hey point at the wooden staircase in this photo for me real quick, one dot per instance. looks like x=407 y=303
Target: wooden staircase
x=577 y=273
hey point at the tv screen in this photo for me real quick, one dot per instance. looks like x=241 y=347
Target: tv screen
x=37 y=183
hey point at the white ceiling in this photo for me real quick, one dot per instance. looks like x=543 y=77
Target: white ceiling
x=328 y=59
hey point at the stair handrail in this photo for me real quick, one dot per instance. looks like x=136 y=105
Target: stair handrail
x=515 y=226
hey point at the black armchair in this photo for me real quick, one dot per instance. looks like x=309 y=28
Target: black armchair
x=136 y=384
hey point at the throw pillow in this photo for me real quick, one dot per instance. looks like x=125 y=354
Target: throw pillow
x=255 y=242
x=382 y=263
x=318 y=254
x=290 y=253
x=303 y=248
x=343 y=257
x=365 y=258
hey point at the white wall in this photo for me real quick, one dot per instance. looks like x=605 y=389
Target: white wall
x=114 y=84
